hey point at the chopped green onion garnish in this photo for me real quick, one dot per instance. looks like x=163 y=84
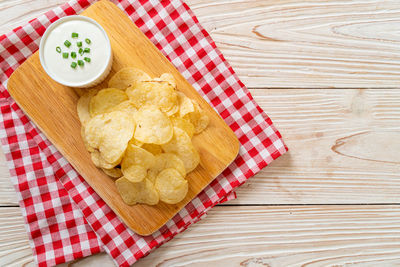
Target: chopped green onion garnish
x=87 y=50
x=79 y=44
x=58 y=49
x=81 y=63
x=65 y=55
x=73 y=54
x=73 y=65
x=75 y=35
x=87 y=59
x=87 y=40
x=80 y=51
x=67 y=43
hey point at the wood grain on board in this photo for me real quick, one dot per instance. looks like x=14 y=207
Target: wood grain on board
x=32 y=88
x=269 y=236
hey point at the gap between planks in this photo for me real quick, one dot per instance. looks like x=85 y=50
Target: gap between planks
x=274 y=205
x=277 y=236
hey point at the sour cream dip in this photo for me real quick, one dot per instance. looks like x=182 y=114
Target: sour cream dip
x=75 y=51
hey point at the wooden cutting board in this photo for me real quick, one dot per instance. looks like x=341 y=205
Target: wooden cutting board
x=53 y=109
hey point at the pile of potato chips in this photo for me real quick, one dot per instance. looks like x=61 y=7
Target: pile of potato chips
x=140 y=131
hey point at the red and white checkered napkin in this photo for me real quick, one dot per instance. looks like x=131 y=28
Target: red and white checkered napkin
x=65 y=219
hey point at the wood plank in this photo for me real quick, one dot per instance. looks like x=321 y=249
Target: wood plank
x=15 y=13
x=14 y=244
x=7 y=192
x=291 y=43
x=287 y=43
x=342 y=145
x=270 y=236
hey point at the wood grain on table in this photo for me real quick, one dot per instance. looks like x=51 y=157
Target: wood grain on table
x=327 y=73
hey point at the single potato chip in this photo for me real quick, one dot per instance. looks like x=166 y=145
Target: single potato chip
x=136 y=162
x=114 y=172
x=153 y=126
x=80 y=91
x=171 y=186
x=152 y=148
x=184 y=124
x=160 y=94
x=82 y=106
x=88 y=147
x=133 y=193
x=127 y=106
x=198 y=118
x=105 y=100
x=110 y=134
x=127 y=77
x=93 y=130
x=167 y=77
x=185 y=104
x=100 y=162
x=181 y=145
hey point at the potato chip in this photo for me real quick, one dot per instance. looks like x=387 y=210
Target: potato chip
x=185 y=104
x=153 y=126
x=171 y=186
x=80 y=91
x=88 y=147
x=127 y=77
x=169 y=160
x=136 y=162
x=164 y=161
x=132 y=193
x=105 y=100
x=184 y=124
x=82 y=106
x=110 y=134
x=172 y=111
x=160 y=94
x=152 y=148
x=114 y=172
x=152 y=175
x=93 y=130
x=127 y=106
x=100 y=162
x=198 y=118
x=167 y=77
x=134 y=173
x=135 y=142
x=181 y=145
x=145 y=126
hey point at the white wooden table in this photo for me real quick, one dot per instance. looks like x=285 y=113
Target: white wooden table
x=327 y=73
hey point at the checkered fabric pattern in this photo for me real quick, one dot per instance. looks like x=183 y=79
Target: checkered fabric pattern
x=65 y=219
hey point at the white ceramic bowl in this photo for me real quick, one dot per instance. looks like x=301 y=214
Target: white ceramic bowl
x=94 y=78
